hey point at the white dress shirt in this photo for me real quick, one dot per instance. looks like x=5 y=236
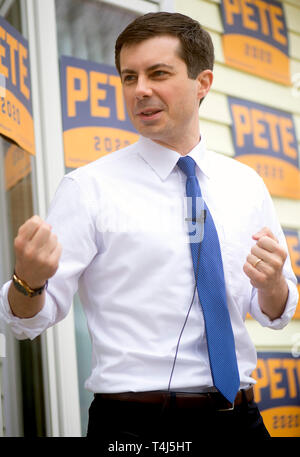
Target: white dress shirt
x=120 y=221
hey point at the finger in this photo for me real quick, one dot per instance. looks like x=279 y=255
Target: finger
x=259 y=264
x=272 y=260
x=253 y=260
x=267 y=244
x=29 y=228
x=49 y=246
x=262 y=253
x=41 y=236
x=270 y=251
x=256 y=277
x=265 y=231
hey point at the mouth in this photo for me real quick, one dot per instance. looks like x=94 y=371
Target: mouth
x=149 y=113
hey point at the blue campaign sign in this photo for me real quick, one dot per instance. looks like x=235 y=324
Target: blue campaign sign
x=15 y=105
x=277 y=392
x=265 y=139
x=255 y=38
x=95 y=121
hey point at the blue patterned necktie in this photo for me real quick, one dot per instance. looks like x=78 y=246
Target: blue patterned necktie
x=208 y=269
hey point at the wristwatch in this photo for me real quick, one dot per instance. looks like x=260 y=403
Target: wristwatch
x=25 y=289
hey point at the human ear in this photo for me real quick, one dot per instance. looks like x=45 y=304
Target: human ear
x=204 y=79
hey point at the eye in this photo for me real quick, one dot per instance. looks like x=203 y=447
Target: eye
x=159 y=73
x=128 y=78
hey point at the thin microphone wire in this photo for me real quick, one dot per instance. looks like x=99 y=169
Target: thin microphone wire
x=185 y=321
x=188 y=313
x=180 y=335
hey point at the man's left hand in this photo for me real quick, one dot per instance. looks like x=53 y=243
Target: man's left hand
x=265 y=262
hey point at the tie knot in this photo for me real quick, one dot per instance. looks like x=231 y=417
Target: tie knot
x=187 y=165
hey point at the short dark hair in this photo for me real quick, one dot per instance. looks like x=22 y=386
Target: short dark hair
x=196 y=50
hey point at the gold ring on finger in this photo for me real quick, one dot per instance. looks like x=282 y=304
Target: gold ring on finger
x=257 y=262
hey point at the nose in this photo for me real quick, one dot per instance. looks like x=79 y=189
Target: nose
x=143 y=88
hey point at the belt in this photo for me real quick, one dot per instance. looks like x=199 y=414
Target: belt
x=207 y=400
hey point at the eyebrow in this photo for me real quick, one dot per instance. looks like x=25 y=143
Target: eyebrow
x=151 y=68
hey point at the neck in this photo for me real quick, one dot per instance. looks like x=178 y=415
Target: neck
x=182 y=147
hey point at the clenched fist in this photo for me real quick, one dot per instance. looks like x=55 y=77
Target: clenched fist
x=265 y=262
x=37 y=252
x=264 y=267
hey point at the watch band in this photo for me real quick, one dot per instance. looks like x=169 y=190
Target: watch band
x=25 y=289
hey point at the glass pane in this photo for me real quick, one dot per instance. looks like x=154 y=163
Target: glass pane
x=13 y=15
x=87 y=30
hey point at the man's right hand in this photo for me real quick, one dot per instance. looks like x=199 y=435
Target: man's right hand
x=37 y=258
x=37 y=252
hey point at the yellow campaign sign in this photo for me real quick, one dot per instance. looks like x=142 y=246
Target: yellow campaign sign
x=95 y=121
x=16 y=120
x=277 y=391
x=283 y=421
x=265 y=139
x=95 y=142
x=17 y=166
x=255 y=38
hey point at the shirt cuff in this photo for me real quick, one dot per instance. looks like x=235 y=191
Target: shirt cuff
x=24 y=328
x=287 y=314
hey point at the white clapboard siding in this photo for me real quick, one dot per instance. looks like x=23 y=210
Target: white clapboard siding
x=246 y=86
x=217 y=41
x=288 y=211
x=217 y=136
x=294 y=45
x=215 y=108
x=292 y=14
x=295 y=66
x=292 y=2
x=207 y=13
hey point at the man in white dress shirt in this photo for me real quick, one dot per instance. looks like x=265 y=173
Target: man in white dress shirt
x=115 y=233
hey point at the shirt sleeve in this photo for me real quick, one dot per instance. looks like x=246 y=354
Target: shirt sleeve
x=269 y=219
x=72 y=222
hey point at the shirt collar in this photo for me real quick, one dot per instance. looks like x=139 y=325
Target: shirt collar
x=162 y=160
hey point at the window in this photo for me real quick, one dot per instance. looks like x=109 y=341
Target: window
x=22 y=379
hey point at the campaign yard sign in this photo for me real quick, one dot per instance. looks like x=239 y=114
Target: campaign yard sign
x=265 y=139
x=95 y=121
x=256 y=39
x=277 y=391
x=17 y=165
x=16 y=120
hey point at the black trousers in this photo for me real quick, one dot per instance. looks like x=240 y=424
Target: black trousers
x=112 y=421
